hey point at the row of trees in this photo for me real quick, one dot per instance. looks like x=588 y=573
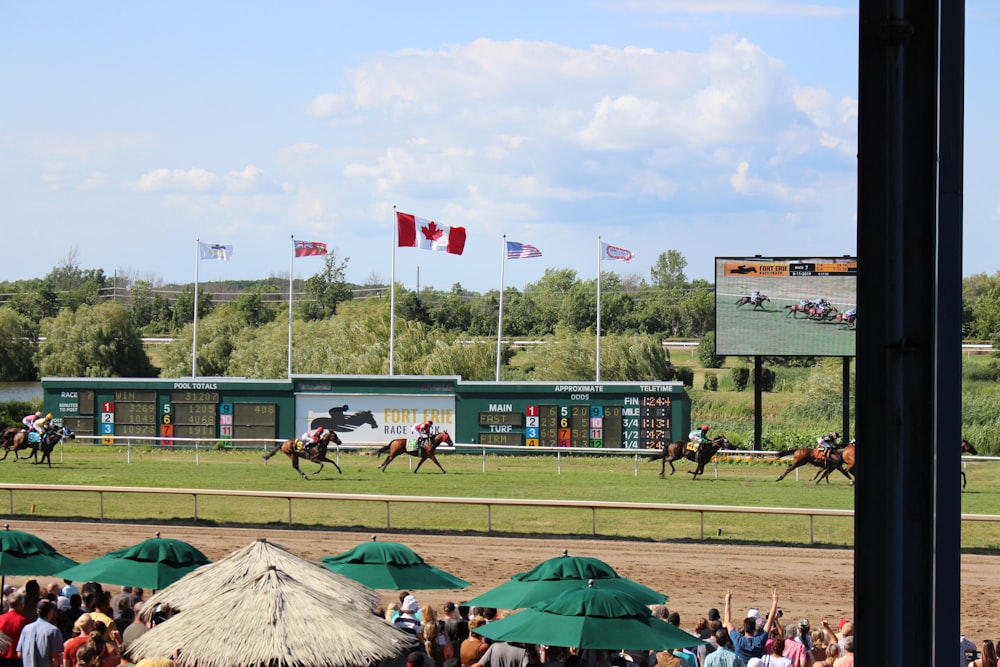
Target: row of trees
x=92 y=327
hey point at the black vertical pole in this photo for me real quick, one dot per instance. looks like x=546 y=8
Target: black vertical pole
x=758 y=407
x=846 y=402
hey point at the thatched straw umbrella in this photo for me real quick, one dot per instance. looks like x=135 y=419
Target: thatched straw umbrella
x=204 y=583
x=272 y=620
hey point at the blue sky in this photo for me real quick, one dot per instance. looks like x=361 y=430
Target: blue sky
x=712 y=127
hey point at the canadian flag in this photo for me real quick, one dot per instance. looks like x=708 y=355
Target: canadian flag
x=426 y=234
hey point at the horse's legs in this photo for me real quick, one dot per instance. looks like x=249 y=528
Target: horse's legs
x=274 y=451
x=388 y=460
x=295 y=464
x=329 y=461
x=432 y=458
x=792 y=466
x=963 y=477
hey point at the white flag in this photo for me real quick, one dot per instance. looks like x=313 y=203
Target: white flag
x=613 y=252
x=215 y=251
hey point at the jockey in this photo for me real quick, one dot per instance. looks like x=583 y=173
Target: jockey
x=310 y=438
x=754 y=296
x=422 y=430
x=698 y=435
x=29 y=420
x=42 y=423
x=827 y=442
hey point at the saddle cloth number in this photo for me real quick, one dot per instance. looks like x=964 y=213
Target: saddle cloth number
x=34 y=437
x=411 y=445
x=692 y=446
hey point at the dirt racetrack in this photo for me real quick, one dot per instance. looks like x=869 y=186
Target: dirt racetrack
x=812 y=583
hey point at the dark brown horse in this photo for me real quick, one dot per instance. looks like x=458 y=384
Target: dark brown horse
x=317 y=453
x=424 y=451
x=967 y=448
x=758 y=303
x=817 y=457
x=701 y=454
x=49 y=442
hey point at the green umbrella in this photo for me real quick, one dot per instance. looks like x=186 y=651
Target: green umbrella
x=590 y=616
x=550 y=578
x=390 y=566
x=153 y=564
x=24 y=554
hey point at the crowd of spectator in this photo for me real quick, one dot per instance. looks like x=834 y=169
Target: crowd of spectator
x=63 y=626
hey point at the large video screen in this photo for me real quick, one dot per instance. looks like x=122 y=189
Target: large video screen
x=786 y=306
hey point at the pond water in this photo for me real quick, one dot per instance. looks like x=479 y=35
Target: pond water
x=20 y=391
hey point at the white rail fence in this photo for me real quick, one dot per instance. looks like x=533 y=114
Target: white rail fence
x=488 y=503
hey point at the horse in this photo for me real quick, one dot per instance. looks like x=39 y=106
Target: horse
x=823 y=313
x=850 y=321
x=758 y=303
x=844 y=461
x=797 y=308
x=425 y=450
x=17 y=441
x=816 y=456
x=317 y=453
x=701 y=455
x=967 y=448
x=49 y=442
x=8 y=434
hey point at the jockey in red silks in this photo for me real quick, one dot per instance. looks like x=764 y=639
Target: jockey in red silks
x=423 y=430
x=310 y=438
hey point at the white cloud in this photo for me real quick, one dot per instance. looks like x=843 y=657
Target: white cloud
x=250 y=180
x=756 y=7
x=177 y=180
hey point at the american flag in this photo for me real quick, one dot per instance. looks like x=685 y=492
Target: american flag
x=517 y=250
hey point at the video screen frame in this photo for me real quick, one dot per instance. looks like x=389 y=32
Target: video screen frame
x=810 y=307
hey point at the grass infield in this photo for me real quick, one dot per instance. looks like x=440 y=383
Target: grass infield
x=740 y=482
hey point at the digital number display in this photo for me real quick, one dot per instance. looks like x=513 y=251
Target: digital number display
x=196 y=413
x=501 y=419
x=254 y=414
x=509 y=439
x=548 y=425
x=148 y=430
x=613 y=426
x=86 y=402
x=130 y=396
x=658 y=401
x=135 y=413
x=193 y=431
x=194 y=397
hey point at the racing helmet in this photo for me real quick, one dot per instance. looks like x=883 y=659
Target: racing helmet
x=320 y=430
x=704 y=427
x=38 y=414
x=430 y=422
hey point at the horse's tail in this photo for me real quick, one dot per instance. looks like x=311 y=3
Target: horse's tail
x=786 y=452
x=277 y=448
x=383 y=449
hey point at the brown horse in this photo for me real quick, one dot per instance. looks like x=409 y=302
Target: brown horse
x=817 y=457
x=701 y=455
x=838 y=459
x=15 y=442
x=967 y=448
x=317 y=453
x=424 y=451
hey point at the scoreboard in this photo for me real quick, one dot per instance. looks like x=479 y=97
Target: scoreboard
x=600 y=415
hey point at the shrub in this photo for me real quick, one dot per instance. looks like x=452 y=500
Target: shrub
x=685 y=375
x=711 y=382
x=741 y=377
x=706 y=352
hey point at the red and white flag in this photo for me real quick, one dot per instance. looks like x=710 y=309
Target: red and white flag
x=309 y=248
x=615 y=253
x=426 y=234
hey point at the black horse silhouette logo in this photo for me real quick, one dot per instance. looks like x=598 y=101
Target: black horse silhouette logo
x=342 y=421
x=743 y=268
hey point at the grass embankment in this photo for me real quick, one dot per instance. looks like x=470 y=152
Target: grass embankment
x=604 y=478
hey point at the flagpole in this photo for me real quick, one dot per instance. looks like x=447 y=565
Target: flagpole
x=291 y=264
x=194 y=329
x=598 y=353
x=392 y=296
x=503 y=266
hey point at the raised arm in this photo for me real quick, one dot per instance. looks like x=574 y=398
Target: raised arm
x=727 y=619
x=772 y=617
x=831 y=636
